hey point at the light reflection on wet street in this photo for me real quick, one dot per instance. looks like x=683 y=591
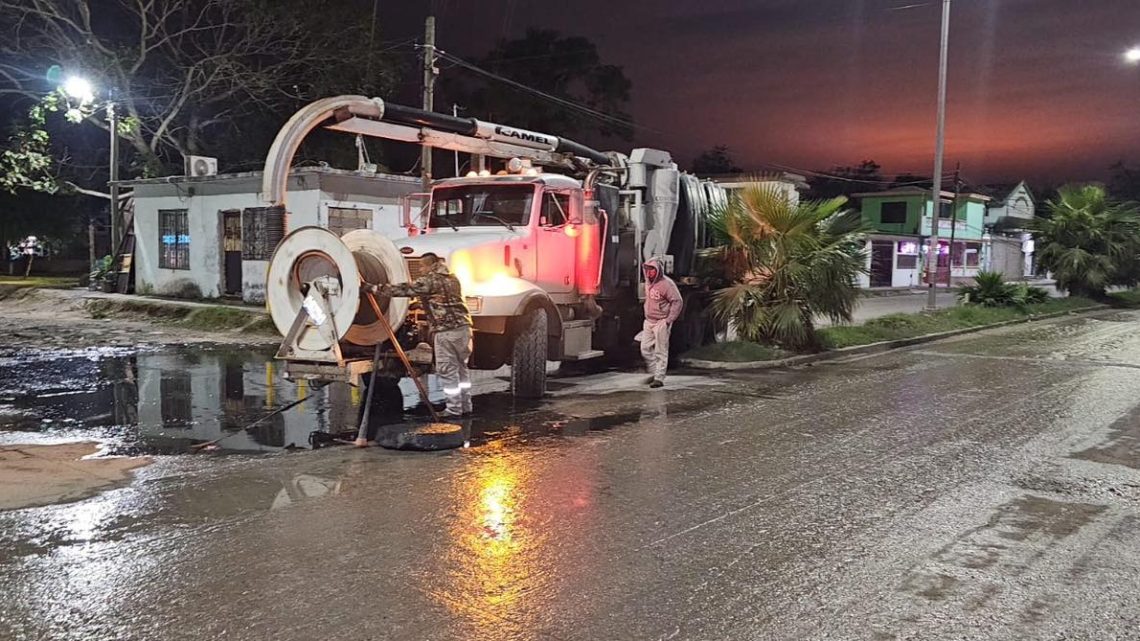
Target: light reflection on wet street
x=982 y=487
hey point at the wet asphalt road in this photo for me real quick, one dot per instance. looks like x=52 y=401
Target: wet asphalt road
x=980 y=488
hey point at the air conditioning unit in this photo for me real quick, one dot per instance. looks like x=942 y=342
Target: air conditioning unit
x=200 y=166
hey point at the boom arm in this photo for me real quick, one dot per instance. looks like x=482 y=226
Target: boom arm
x=374 y=118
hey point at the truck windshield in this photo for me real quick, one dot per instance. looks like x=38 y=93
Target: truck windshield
x=481 y=205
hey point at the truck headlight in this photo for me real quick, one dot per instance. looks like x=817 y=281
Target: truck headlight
x=474 y=304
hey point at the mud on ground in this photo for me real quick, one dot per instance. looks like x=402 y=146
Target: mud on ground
x=33 y=475
x=76 y=319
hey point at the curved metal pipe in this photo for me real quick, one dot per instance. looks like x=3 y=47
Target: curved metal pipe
x=275 y=180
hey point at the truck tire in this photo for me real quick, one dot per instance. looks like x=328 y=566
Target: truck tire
x=528 y=356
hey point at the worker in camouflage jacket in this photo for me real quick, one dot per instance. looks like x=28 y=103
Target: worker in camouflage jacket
x=441 y=297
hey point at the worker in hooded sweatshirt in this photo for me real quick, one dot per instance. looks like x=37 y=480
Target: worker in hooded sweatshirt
x=662 y=308
x=441 y=297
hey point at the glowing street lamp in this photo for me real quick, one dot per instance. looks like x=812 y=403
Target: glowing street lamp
x=1132 y=55
x=80 y=89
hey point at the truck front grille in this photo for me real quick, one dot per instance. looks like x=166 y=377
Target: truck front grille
x=415 y=268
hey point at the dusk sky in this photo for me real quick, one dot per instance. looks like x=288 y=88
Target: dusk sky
x=1038 y=88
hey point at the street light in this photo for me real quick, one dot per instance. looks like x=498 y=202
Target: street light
x=1132 y=55
x=81 y=89
x=936 y=188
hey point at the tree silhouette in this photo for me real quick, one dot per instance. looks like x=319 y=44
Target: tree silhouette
x=566 y=67
x=714 y=161
x=846 y=180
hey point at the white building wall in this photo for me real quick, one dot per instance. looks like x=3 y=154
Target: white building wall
x=303 y=209
x=387 y=216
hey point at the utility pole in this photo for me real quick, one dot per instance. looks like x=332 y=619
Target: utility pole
x=455 y=113
x=429 y=94
x=91 y=257
x=939 y=146
x=954 y=222
x=113 y=119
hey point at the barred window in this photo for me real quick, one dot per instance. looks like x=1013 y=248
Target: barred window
x=345 y=219
x=173 y=239
x=262 y=228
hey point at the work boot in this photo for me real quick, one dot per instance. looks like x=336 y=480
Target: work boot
x=657 y=384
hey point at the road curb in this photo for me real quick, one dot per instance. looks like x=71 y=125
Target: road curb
x=875 y=348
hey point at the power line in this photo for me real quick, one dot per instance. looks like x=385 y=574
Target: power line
x=542 y=94
x=820 y=174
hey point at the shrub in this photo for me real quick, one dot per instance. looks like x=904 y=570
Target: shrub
x=787 y=263
x=1088 y=242
x=991 y=290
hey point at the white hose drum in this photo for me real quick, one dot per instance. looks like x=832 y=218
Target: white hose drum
x=310 y=253
x=379 y=262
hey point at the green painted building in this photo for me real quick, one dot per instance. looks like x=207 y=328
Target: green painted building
x=901 y=219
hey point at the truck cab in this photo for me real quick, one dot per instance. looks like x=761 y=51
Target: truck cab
x=527 y=257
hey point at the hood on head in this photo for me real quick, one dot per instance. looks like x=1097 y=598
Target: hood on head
x=652 y=263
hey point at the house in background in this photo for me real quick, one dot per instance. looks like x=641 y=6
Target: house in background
x=789 y=183
x=1012 y=252
x=901 y=221
x=212 y=236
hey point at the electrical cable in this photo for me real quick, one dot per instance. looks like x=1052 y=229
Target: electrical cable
x=819 y=174
x=569 y=104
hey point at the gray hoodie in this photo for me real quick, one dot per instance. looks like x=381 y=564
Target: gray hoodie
x=662 y=298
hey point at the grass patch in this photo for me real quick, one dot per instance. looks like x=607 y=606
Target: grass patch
x=47 y=282
x=1129 y=298
x=206 y=319
x=901 y=326
x=103 y=308
x=736 y=352
x=263 y=325
x=217 y=318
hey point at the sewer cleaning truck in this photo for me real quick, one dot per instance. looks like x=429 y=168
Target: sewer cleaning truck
x=547 y=237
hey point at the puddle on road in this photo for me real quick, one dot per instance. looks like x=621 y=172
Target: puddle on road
x=165 y=402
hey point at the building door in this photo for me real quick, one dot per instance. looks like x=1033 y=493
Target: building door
x=231 y=251
x=882 y=263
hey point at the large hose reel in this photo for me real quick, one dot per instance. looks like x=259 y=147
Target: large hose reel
x=314 y=294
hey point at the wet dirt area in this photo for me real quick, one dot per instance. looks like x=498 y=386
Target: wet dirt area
x=977 y=488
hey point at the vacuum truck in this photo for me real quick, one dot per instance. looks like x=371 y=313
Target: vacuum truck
x=547 y=237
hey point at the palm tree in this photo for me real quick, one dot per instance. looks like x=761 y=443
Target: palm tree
x=787 y=264
x=1087 y=241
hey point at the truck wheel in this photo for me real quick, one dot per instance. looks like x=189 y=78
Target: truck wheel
x=528 y=356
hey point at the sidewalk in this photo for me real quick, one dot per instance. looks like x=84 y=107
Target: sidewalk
x=914 y=301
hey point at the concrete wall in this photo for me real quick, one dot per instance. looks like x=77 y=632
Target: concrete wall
x=788 y=188
x=204 y=220
x=1006 y=257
